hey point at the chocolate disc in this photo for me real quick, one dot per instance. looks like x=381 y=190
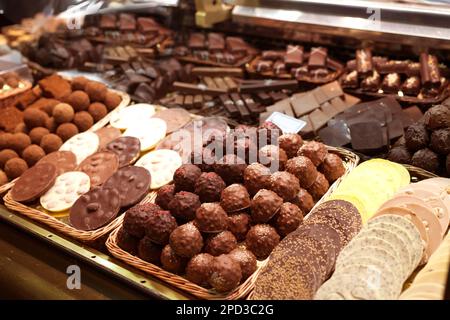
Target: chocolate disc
x=132 y=182
x=107 y=134
x=64 y=161
x=127 y=149
x=34 y=182
x=100 y=166
x=175 y=118
x=95 y=209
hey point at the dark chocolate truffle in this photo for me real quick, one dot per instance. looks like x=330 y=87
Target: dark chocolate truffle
x=288 y=219
x=231 y=168
x=416 y=137
x=34 y=118
x=83 y=120
x=272 y=157
x=304 y=201
x=290 y=143
x=135 y=219
x=303 y=169
x=332 y=167
x=226 y=274
x=79 y=100
x=19 y=141
x=400 y=155
x=285 y=184
x=97 y=110
x=261 y=240
x=319 y=187
x=172 y=262
x=112 y=100
x=159 y=226
x=238 y=225
x=199 y=269
x=246 y=260
x=186 y=176
x=209 y=186
x=440 y=141
x=256 y=177
x=66 y=131
x=5 y=155
x=32 y=154
x=183 y=205
x=63 y=113
x=37 y=133
x=127 y=242
x=235 y=198
x=220 y=243
x=15 y=167
x=51 y=142
x=265 y=204
x=437 y=117
x=164 y=195
x=426 y=159
x=149 y=251
x=186 y=240
x=211 y=217
x=313 y=150
x=96 y=91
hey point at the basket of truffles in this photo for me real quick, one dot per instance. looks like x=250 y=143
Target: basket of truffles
x=211 y=231
x=11 y=88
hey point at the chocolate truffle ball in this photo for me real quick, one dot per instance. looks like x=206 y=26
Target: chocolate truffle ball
x=437 y=117
x=239 y=224
x=256 y=177
x=112 y=100
x=183 y=205
x=21 y=128
x=416 y=137
x=97 y=110
x=5 y=155
x=172 y=262
x=37 y=133
x=127 y=242
x=149 y=251
x=19 y=141
x=63 y=113
x=288 y=219
x=96 y=91
x=246 y=260
x=319 y=187
x=50 y=124
x=164 y=195
x=78 y=83
x=231 y=168
x=3 y=178
x=51 y=142
x=440 y=141
x=15 y=167
x=34 y=118
x=313 y=150
x=332 y=167
x=272 y=157
x=5 y=140
x=226 y=274
x=83 y=120
x=285 y=184
x=220 y=243
x=400 y=155
x=303 y=169
x=199 y=269
x=159 y=226
x=186 y=240
x=269 y=132
x=32 y=154
x=47 y=105
x=426 y=159
x=265 y=204
x=290 y=143
x=211 y=217
x=304 y=201
x=135 y=219
x=79 y=100
x=66 y=131
x=234 y=198
x=186 y=176
x=209 y=186
x=261 y=240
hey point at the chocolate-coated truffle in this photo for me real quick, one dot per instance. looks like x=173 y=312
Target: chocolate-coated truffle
x=319 y=187
x=97 y=110
x=265 y=204
x=437 y=117
x=159 y=226
x=285 y=184
x=416 y=137
x=112 y=100
x=19 y=141
x=400 y=155
x=261 y=240
x=304 y=201
x=239 y=224
x=199 y=269
x=246 y=260
x=209 y=186
x=83 y=120
x=186 y=176
x=230 y=168
x=226 y=274
x=172 y=262
x=51 y=142
x=256 y=177
x=50 y=124
x=5 y=155
x=34 y=118
x=78 y=83
x=210 y=217
x=79 y=100
x=269 y=132
x=135 y=219
x=96 y=91
x=288 y=219
x=164 y=195
x=63 y=113
x=304 y=169
x=183 y=205
x=272 y=157
x=32 y=154
x=15 y=167
x=127 y=242
x=332 y=167
x=426 y=159
x=3 y=178
x=313 y=150
x=235 y=198
x=186 y=240
x=149 y=251
x=5 y=140
x=440 y=141
x=220 y=243
x=37 y=133
x=290 y=143
x=66 y=131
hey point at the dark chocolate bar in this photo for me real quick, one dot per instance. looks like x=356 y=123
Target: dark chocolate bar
x=217 y=72
x=189 y=102
x=368 y=137
x=318 y=58
x=237 y=99
x=216 y=41
x=269 y=85
x=196 y=41
x=273 y=55
x=252 y=105
x=364 y=64
x=198 y=101
x=229 y=105
x=196 y=89
x=236 y=44
x=392 y=66
x=294 y=56
x=429 y=71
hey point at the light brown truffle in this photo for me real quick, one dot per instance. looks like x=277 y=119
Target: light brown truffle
x=97 y=110
x=96 y=91
x=15 y=167
x=78 y=83
x=63 y=113
x=112 y=100
x=66 y=131
x=5 y=140
x=32 y=154
x=3 y=178
x=79 y=100
x=51 y=142
x=83 y=120
x=21 y=128
x=34 y=118
x=5 y=155
x=19 y=141
x=50 y=124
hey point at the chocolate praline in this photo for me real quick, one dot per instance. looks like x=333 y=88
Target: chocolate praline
x=226 y=273
x=220 y=243
x=416 y=137
x=269 y=132
x=437 y=117
x=231 y=168
x=285 y=184
x=303 y=168
x=272 y=157
x=135 y=219
x=164 y=195
x=290 y=143
x=186 y=240
x=246 y=260
x=440 y=141
x=319 y=187
x=256 y=177
x=265 y=204
x=209 y=186
x=332 y=167
x=313 y=150
x=426 y=159
x=172 y=262
x=261 y=240
x=288 y=219
x=127 y=242
x=304 y=201
x=186 y=176
x=183 y=205
x=210 y=217
x=159 y=226
x=149 y=251
x=199 y=269
x=234 y=198
x=238 y=225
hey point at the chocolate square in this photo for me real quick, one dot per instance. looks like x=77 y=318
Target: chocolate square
x=336 y=134
x=294 y=56
x=318 y=58
x=304 y=103
x=329 y=110
x=196 y=41
x=318 y=119
x=216 y=41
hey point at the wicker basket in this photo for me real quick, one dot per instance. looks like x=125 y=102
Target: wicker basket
x=350 y=160
x=14 y=95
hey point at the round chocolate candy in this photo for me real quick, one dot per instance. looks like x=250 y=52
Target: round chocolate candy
x=107 y=135
x=64 y=161
x=100 y=166
x=127 y=149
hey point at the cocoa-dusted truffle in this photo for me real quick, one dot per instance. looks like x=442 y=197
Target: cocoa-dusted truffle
x=226 y=274
x=63 y=113
x=21 y=128
x=210 y=217
x=51 y=142
x=230 y=168
x=186 y=176
x=50 y=124
x=159 y=226
x=304 y=201
x=79 y=100
x=78 y=83
x=112 y=100
x=45 y=105
x=220 y=243
x=83 y=120
x=246 y=260
x=34 y=118
x=319 y=187
x=440 y=141
x=19 y=141
x=400 y=155
x=66 y=131
x=290 y=143
x=256 y=177
x=261 y=240
x=164 y=195
x=32 y=154
x=416 y=137
x=5 y=155
x=332 y=167
x=313 y=150
x=288 y=219
x=97 y=110
x=37 y=133
x=437 y=117
x=235 y=198
x=272 y=157
x=304 y=169
x=96 y=91
x=269 y=132
x=15 y=167
x=172 y=262
x=5 y=140
x=265 y=204
x=186 y=240
x=285 y=184
x=127 y=242
x=209 y=186
x=135 y=219
x=3 y=178
x=149 y=251
x=426 y=159
x=183 y=205
x=199 y=269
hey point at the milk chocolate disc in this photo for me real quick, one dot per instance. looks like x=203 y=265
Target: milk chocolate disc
x=34 y=182
x=100 y=166
x=132 y=182
x=175 y=118
x=95 y=209
x=127 y=149
x=64 y=161
x=107 y=134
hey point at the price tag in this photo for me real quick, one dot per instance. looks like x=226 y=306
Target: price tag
x=286 y=123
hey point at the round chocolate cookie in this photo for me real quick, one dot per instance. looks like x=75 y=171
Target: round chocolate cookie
x=95 y=209
x=64 y=161
x=100 y=166
x=175 y=118
x=127 y=149
x=107 y=135
x=132 y=183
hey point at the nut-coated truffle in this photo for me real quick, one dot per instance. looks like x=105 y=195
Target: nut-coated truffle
x=3 y=178
x=285 y=184
x=199 y=269
x=172 y=262
x=400 y=154
x=437 y=117
x=78 y=83
x=159 y=226
x=164 y=195
x=416 y=137
x=256 y=177
x=50 y=124
x=230 y=168
x=15 y=167
x=5 y=140
x=440 y=141
x=97 y=110
x=186 y=240
x=34 y=118
x=220 y=243
x=209 y=186
x=32 y=154
x=83 y=120
x=183 y=205
x=304 y=169
x=210 y=217
x=127 y=242
x=265 y=204
x=112 y=100
x=149 y=251
x=426 y=159
x=272 y=157
x=226 y=274
x=270 y=131
x=315 y=151
x=37 y=133
x=238 y=225
x=135 y=219
x=235 y=198
x=246 y=260
x=66 y=131
x=186 y=176
x=288 y=219
x=5 y=155
x=96 y=91
x=290 y=143
x=332 y=167
x=79 y=100
x=261 y=240
x=319 y=187
x=63 y=113
x=51 y=142
x=304 y=201
x=19 y=141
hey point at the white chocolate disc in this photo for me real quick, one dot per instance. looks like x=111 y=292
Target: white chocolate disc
x=127 y=117
x=149 y=132
x=82 y=145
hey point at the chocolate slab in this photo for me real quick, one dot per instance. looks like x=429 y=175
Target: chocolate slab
x=100 y=166
x=336 y=134
x=303 y=104
x=64 y=161
x=294 y=56
x=317 y=57
x=196 y=41
x=367 y=136
x=269 y=85
x=216 y=41
x=127 y=150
